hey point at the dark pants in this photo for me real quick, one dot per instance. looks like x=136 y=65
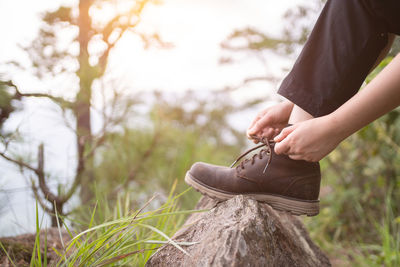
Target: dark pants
x=341 y=50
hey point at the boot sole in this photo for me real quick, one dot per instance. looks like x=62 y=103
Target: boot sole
x=294 y=206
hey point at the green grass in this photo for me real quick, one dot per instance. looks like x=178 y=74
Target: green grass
x=353 y=251
x=130 y=238
x=117 y=235
x=387 y=253
x=37 y=258
x=7 y=255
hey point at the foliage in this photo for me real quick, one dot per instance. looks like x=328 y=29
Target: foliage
x=361 y=178
x=126 y=237
x=293 y=35
x=37 y=258
x=361 y=181
x=387 y=252
x=147 y=159
x=7 y=97
x=360 y=195
x=62 y=48
x=129 y=238
x=5 y=104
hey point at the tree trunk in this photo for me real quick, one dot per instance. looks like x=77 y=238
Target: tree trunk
x=241 y=232
x=86 y=74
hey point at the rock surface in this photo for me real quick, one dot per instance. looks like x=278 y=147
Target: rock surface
x=241 y=232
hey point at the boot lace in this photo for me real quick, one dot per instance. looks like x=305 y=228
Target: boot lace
x=265 y=142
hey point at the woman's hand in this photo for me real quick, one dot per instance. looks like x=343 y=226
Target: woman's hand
x=313 y=139
x=309 y=140
x=270 y=121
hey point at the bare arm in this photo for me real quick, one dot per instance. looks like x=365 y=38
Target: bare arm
x=270 y=121
x=313 y=139
x=379 y=97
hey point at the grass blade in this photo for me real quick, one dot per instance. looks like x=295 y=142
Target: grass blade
x=165 y=236
x=120 y=257
x=8 y=256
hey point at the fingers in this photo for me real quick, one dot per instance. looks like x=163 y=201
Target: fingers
x=260 y=124
x=255 y=139
x=257 y=118
x=282 y=145
x=284 y=133
x=250 y=136
x=267 y=133
x=285 y=144
x=250 y=133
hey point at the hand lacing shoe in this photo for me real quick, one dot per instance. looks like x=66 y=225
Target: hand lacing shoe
x=283 y=183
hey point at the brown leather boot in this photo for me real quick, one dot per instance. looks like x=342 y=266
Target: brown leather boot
x=283 y=183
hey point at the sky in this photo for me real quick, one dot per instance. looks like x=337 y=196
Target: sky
x=195 y=28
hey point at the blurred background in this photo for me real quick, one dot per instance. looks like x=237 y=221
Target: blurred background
x=108 y=100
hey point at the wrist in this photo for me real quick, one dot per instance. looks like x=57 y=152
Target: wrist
x=287 y=107
x=336 y=126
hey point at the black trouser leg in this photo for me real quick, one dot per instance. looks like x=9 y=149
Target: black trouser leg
x=342 y=48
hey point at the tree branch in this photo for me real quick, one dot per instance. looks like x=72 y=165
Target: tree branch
x=111 y=27
x=39 y=199
x=39 y=171
x=79 y=171
x=42 y=182
x=18 y=95
x=20 y=163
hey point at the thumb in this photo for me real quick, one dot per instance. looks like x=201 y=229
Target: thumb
x=282 y=147
x=284 y=133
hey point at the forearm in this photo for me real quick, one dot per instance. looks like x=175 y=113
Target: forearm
x=313 y=139
x=380 y=96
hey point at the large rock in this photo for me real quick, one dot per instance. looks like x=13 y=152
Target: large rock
x=241 y=232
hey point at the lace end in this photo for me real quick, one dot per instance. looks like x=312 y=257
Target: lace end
x=265 y=167
x=233 y=164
